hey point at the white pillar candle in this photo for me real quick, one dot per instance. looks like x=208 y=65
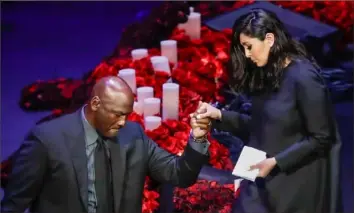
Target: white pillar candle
x=184 y=25
x=194 y=25
x=128 y=75
x=169 y=49
x=139 y=53
x=137 y=108
x=151 y=106
x=152 y=122
x=170 y=101
x=191 y=9
x=160 y=63
x=143 y=93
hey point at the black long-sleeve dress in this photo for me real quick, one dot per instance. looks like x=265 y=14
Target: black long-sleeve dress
x=296 y=126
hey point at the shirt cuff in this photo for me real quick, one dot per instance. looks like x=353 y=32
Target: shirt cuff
x=199 y=147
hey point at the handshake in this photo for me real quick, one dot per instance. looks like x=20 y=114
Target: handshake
x=201 y=119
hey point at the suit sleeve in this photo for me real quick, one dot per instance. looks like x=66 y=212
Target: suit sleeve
x=233 y=122
x=26 y=177
x=200 y=147
x=317 y=118
x=181 y=171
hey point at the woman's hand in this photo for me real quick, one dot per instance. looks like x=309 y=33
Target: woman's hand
x=200 y=126
x=205 y=110
x=265 y=167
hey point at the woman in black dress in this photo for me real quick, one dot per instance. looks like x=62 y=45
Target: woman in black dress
x=291 y=120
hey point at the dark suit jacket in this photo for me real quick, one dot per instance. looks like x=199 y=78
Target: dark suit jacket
x=50 y=170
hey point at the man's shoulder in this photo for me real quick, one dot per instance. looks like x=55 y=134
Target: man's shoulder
x=132 y=127
x=56 y=125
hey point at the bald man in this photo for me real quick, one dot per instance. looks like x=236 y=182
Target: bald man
x=96 y=161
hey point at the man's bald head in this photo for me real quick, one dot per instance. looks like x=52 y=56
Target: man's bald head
x=111 y=102
x=108 y=86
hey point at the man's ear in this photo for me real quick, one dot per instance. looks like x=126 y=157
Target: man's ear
x=95 y=103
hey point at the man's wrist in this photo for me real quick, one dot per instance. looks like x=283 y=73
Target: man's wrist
x=201 y=139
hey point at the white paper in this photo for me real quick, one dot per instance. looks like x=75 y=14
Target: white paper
x=249 y=156
x=237 y=183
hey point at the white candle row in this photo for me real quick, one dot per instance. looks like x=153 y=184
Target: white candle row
x=146 y=104
x=160 y=63
x=170 y=95
x=149 y=106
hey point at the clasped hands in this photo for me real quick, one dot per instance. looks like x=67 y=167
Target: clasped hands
x=201 y=123
x=201 y=120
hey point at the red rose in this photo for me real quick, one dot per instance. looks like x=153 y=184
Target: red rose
x=160 y=133
x=136 y=118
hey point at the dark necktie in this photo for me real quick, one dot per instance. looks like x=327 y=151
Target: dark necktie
x=103 y=179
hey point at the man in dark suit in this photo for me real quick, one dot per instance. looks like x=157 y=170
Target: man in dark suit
x=96 y=161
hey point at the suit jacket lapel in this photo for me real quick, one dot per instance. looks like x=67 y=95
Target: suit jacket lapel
x=118 y=161
x=75 y=140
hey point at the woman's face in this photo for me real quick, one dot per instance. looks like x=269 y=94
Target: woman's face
x=257 y=50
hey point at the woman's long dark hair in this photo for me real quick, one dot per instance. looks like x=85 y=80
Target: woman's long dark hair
x=244 y=75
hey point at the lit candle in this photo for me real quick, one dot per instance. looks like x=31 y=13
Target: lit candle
x=128 y=75
x=194 y=25
x=191 y=10
x=170 y=101
x=151 y=106
x=160 y=63
x=184 y=25
x=143 y=93
x=152 y=122
x=169 y=49
x=137 y=108
x=139 y=53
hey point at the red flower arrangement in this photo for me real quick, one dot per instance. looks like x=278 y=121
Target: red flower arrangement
x=193 y=199
x=201 y=74
x=196 y=66
x=149 y=198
